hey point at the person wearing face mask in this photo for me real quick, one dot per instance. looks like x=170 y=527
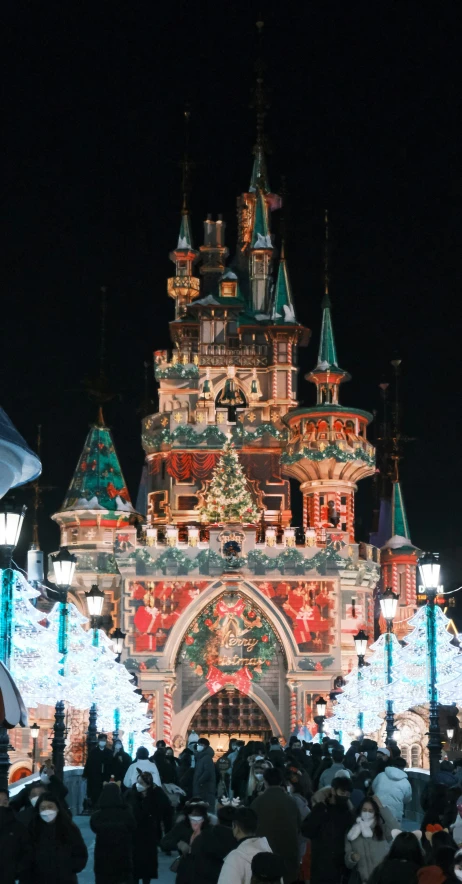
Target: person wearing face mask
x=237 y=867
x=326 y=826
x=257 y=780
x=368 y=841
x=15 y=844
x=49 y=781
x=59 y=851
x=121 y=761
x=223 y=772
x=153 y=816
x=98 y=769
x=188 y=826
x=166 y=765
x=279 y=821
x=205 y=782
x=113 y=824
x=26 y=813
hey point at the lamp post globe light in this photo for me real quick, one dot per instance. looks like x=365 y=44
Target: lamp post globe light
x=321 y=707
x=429 y=568
x=388 y=606
x=95 y=604
x=64 y=564
x=118 y=637
x=360 y=640
x=34 y=732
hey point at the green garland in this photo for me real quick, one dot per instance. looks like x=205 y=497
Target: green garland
x=331 y=450
x=176 y=371
x=308 y=664
x=201 y=644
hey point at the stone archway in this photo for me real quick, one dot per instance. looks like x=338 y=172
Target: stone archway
x=230 y=712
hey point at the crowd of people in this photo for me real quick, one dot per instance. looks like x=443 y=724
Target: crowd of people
x=262 y=812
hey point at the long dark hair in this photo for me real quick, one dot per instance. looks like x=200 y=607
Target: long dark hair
x=63 y=822
x=378 y=827
x=406 y=847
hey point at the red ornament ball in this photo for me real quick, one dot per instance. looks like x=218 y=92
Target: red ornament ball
x=265 y=638
x=189 y=640
x=208 y=622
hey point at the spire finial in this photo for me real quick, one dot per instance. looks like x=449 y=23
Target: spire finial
x=37 y=493
x=259 y=102
x=326 y=299
x=98 y=387
x=100 y=418
x=186 y=163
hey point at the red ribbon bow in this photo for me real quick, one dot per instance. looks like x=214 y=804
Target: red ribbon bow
x=216 y=679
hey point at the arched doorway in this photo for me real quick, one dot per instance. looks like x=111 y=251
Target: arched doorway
x=230 y=713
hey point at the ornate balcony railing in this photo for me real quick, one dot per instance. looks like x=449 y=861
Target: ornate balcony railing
x=247 y=355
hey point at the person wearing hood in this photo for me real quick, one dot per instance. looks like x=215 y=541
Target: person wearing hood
x=223 y=775
x=98 y=769
x=121 y=761
x=141 y=762
x=26 y=813
x=237 y=867
x=446 y=776
x=15 y=844
x=393 y=788
x=166 y=765
x=212 y=845
x=279 y=821
x=205 y=781
x=113 y=824
x=327 y=826
x=59 y=851
x=153 y=816
x=368 y=841
x=50 y=783
x=186 y=765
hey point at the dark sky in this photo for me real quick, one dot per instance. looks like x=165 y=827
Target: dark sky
x=365 y=107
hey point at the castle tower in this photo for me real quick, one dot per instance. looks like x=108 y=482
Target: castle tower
x=328 y=451
x=96 y=506
x=184 y=286
x=399 y=558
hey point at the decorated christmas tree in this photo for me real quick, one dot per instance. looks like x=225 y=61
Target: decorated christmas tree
x=410 y=682
x=228 y=498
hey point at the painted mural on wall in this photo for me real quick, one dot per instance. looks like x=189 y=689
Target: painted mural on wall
x=230 y=642
x=158 y=605
x=308 y=607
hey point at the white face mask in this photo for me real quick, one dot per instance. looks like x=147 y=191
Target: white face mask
x=141 y=787
x=200 y=748
x=34 y=800
x=48 y=816
x=195 y=819
x=45 y=778
x=367 y=816
x=458 y=874
x=258 y=776
x=101 y=744
x=290 y=789
x=117 y=747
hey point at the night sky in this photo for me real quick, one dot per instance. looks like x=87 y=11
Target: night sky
x=364 y=120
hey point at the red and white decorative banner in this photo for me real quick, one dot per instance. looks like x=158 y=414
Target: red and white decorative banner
x=168 y=713
x=293 y=710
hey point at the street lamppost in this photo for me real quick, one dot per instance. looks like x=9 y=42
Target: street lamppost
x=95 y=604
x=64 y=566
x=11 y=519
x=360 y=640
x=34 y=732
x=429 y=568
x=388 y=605
x=117 y=637
x=321 y=707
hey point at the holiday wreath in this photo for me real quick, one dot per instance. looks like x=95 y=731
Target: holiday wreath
x=230 y=634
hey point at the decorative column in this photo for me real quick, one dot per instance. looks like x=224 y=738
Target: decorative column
x=168 y=714
x=293 y=706
x=92 y=733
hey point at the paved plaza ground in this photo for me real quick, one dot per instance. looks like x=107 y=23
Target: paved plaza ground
x=87 y=876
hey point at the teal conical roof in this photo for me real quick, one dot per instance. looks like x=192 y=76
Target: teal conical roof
x=185 y=235
x=327 y=356
x=261 y=238
x=283 y=305
x=399 y=523
x=98 y=481
x=259 y=177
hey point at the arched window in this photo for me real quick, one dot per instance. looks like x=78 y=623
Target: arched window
x=416 y=756
x=405 y=754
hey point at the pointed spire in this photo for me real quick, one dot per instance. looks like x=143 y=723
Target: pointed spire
x=283 y=305
x=399 y=523
x=327 y=356
x=185 y=235
x=259 y=177
x=98 y=482
x=261 y=238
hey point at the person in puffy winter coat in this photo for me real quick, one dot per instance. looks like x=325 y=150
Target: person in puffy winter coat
x=237 y=867
x=394 y=790
x=368 y=841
